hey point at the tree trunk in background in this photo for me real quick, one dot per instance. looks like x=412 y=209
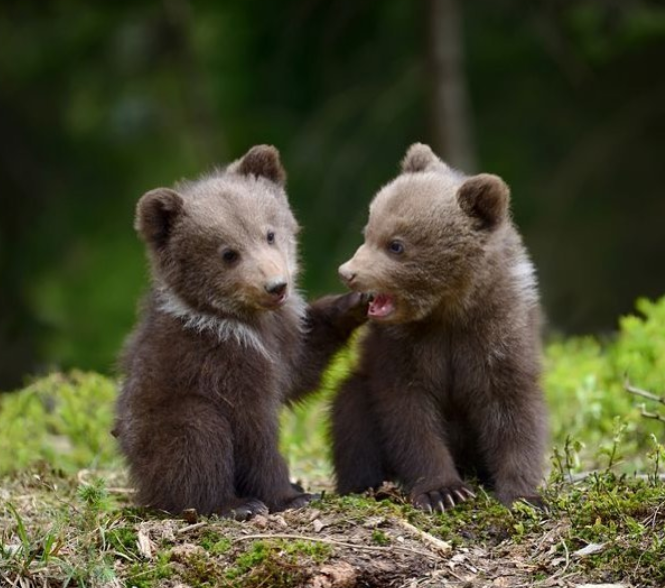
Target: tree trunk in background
x=449 y=105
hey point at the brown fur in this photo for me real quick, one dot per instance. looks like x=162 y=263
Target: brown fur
x=218 y=348
x=448 y=382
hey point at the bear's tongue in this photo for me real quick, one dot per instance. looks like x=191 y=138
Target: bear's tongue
x=381 y=306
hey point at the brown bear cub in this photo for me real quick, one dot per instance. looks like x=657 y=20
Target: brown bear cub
x=224 y=339
x=447 y=383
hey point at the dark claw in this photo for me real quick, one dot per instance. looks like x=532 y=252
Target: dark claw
x=246 y=511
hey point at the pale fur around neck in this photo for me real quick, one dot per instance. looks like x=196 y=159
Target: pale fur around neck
x=227 y=329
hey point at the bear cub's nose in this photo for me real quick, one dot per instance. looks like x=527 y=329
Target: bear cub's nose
x=346 y=275
x=276 y=287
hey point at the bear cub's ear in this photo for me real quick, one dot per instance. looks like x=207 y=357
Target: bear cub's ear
x=156 y=213
x=419 y=157
x=263 y=161
x=485 y=197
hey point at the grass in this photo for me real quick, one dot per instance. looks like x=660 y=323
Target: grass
x=68 y=534
x=66 y=517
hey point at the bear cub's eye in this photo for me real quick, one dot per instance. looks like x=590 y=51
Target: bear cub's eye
x=396 y=247
x=270 y=237
x=230 y=255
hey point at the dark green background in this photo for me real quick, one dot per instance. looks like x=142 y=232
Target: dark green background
x=101 y=101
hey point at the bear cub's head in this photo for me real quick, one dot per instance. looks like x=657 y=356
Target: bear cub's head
x=224 y=244
x=427 y=238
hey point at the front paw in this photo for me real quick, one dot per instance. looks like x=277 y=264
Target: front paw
x=294 y=502
x=442 y=498
x=351 y=309
x=245 y=510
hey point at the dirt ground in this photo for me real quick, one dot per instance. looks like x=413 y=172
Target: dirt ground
x=58 y=531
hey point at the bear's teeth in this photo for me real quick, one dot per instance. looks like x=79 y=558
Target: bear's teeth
x=381 y=306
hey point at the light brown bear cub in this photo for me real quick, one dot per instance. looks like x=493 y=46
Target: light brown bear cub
x=224 y=339
x=447 y=383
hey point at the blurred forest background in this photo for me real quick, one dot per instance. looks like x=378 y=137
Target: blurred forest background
x=101 y=101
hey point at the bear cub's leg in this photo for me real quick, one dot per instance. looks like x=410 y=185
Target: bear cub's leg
x=261 y=471
x=415 y=443
x=173 y=467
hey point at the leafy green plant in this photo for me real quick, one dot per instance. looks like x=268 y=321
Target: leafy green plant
x=585 y=386
x=64 y=420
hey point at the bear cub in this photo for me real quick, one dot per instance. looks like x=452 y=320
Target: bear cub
x=223 y=341
x=447 y=384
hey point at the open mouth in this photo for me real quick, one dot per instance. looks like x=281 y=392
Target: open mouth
x=381 y=306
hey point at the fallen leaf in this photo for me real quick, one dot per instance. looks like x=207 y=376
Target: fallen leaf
x=145 y=544
x=590 y=550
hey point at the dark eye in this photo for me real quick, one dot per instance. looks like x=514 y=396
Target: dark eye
x=396 y=247
x=270 y=237
x=230 y=255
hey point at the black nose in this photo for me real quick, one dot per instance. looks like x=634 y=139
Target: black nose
x=276 y=287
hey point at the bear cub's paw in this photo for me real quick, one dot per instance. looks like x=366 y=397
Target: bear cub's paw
x=354 y=306
x=347 y=311
x=298 y=501
x=442 y=498
x=246 y=510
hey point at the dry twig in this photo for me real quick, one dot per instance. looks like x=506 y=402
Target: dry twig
x=192 y=527
x=649 y=396
x=438 y=544
x=643 y=393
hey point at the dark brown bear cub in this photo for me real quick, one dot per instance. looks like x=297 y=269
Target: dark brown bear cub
x=224 y=339
x=447 y=383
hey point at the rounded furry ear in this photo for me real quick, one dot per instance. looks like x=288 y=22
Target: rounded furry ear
x=419 y=157
x=156 y=212
x=263 y=161
x=485 y=197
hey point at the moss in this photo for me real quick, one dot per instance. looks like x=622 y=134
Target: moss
x=124 y=539
x=357 y=508
x=200 y=570
x=275 y=563
x=253 y=556
x=214 y=543
x=315 y=550
x=148 y=574
x=379 y=537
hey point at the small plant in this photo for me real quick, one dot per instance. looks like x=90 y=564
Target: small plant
x=613 y=451
x=379 y=537
x=18 y=558
x=656 y=456
x=567 y=460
